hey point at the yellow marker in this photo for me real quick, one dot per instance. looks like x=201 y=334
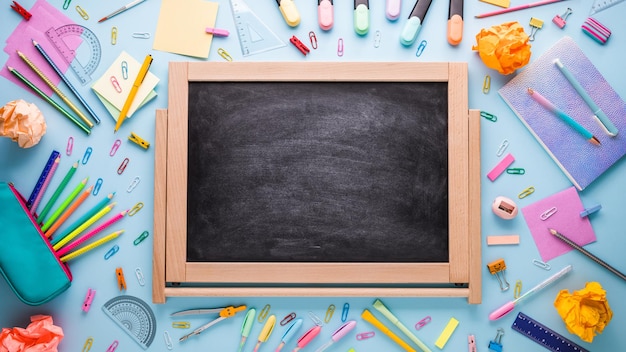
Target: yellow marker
x=84 y=226
x=446 y=333
x=265 y=333
x=289 y=11
x=370 y=318
x=91 y=246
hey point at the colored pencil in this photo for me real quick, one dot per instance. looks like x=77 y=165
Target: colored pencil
x=83 y=226
x=54 y=88
x=91 y=246
x=45 y=97
x=57 y=193
x=587 y=253
x=65 y=250
x=67 y=81
x=46 y=183
x=516 y=8
x=101 y=204
x=42 y=178
x=69 y=212
x=70 y=198
x=121 y=9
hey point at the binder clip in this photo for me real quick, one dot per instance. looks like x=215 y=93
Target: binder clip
x=560 y=20
x=303 y=48
x=88 y=299
x=22 y=11
x=497 y=268
x=121 y=282
x=496 y=344
x=535 y=25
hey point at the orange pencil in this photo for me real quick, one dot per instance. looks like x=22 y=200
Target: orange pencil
x=68 y=212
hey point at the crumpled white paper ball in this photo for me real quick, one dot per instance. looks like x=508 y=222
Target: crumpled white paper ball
x=23 y=122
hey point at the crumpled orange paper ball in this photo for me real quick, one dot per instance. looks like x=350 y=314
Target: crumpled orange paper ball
x=503 y=47
x=23 y=122
x=41 y=335
x=585 y=311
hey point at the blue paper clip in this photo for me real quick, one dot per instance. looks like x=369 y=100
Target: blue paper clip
x=124 y=69
x=420 y=48
x=88 y=152
x=344 y=313
x=97 y=186
x=111 y=252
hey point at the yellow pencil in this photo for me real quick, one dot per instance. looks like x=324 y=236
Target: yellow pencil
x=143 y=71
x=64 y=205
x=370 y=318
x=84 y=226
x=54 y=88
x=69 y=212
x=91 y=246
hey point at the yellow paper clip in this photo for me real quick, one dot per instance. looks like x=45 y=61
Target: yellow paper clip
x=121 y=282
x=518 y=289
x=488 y=116
x=526 y=192
x=263 y=313
x=138 y=140
x=135 y=209
x=535 y=25
x=329 y=313
x=224 y=54
x=497 y=268
x=88 y=344
x=114 y=35
x=181 y=324
x=82 y=12
x=487 y=84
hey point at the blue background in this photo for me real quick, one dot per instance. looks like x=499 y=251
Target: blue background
x=22 y=166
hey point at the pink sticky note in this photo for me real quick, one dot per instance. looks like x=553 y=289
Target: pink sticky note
x=502 y=165
x=565 y=207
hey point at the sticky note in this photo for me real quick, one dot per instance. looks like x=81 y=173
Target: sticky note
x=501 y=167
x=446 y=333
x=501 y=3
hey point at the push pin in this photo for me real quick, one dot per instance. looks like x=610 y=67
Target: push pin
x=560 y=20
x=535 y=25
x=497 y=268
x=303 y=48
x=496 y=344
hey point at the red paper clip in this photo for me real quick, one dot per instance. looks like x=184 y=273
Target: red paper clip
x=289 y=317
x=303 y=48
x=22 y=11
x=88 y=299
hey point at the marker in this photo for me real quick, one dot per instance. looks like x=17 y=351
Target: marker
x=289 y=334
x=265 y=333
x=307 y=337
x=361 y=16
x=325 y=14
x=392 y=9
x=289 y=11
x=246 y=326
x=455 y=22
x=413 y=25
x=340 y=333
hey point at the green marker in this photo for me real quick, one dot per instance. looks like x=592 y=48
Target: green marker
x=361 y=16
x=246 y=327
x=416 y=18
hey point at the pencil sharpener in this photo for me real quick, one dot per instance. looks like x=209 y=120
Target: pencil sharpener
x=504 y=208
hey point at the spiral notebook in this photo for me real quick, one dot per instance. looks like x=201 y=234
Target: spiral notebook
x=581 y=161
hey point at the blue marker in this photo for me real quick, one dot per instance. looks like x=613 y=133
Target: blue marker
x=413 y=25
x=288 y=335
x=361 y=16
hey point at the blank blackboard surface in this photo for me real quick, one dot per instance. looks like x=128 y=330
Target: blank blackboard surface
x=317 y=171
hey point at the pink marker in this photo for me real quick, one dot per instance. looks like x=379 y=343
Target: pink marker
x=217 y=32
x=307 y=337
x=325 y=14
x=342 y=331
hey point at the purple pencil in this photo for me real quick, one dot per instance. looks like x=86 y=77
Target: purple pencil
x=33 y=208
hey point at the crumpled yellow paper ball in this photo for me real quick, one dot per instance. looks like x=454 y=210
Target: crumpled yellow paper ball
x=41 y=335
x=23 y=122
x=585 y=312
x=503 y=47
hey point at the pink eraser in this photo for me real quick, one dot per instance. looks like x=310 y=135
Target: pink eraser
x=217 y=32
x=501 y=167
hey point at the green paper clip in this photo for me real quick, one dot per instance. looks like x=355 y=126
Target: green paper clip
x=141 y=237
x=489 y=116
x=515 y=171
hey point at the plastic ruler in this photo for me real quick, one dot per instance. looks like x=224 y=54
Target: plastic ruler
x=134 y=316
x=89 y=55
x=543 y=335
x=254 y=35
x=42 y=178
x=599 y=5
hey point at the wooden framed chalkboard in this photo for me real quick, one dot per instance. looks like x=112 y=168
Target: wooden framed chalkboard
x=317 y=179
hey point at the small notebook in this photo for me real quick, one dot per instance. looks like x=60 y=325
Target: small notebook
x=581 y=161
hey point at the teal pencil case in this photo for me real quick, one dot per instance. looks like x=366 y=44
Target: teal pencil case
x=27 y=261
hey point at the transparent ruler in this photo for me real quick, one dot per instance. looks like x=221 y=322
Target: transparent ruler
x=599 y=5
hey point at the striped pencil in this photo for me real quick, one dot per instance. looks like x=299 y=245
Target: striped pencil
x=65 y=250
x=91 y=246
x=101 y=204
x=83 y=227
x=69 y=212
x=33 y=208
x=55 y=215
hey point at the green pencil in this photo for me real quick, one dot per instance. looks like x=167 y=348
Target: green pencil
x=82 y=219
x=64 y=205
x=57 y=193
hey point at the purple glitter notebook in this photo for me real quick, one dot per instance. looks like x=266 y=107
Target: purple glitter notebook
x=581 y=161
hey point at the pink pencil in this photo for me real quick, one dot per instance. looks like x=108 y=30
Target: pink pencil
x=516 y=8
x=63 y=251
x=33 y=208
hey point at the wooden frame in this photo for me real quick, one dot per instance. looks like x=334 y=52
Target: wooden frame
x=174 y=276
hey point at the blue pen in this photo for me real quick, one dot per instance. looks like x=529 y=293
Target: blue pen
x=413 y=25
x=361 y=16
x=288 y=335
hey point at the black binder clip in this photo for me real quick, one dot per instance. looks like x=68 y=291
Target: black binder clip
x=22 y=11
x=303 y=48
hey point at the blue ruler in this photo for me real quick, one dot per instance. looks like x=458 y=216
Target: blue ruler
x=543 y=335
x=42 y=179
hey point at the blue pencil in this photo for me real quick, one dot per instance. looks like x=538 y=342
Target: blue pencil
x=83 y=218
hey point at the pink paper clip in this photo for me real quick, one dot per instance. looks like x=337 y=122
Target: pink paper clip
x=88 y=299
x=70 y=146
x=115 y=147
x=299 y=45
x=420 y=324
x=22 y=11
x=113 y=346
x=365 y=335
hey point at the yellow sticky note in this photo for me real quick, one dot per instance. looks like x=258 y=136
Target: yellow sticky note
x=501 y=3
x=181 y=28
x=446 y=333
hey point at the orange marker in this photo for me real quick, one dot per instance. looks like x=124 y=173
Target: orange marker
x=455 y=22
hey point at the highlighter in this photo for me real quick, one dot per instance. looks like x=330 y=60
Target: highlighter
x=455 y=22
x=246 y=326
x=361 y=16
x=289 y=334
x=265 y=333
x=340 y=333
x=416 y=18
x=325 y=16
x=392 y=9
x=307 y=337
x=289 y=11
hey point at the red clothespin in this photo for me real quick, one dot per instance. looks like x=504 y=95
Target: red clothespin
x=303 y=48
x=22 y=11
x=121 y=282
x=88 y=299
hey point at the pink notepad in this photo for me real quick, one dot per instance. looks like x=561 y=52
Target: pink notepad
x=565 y=207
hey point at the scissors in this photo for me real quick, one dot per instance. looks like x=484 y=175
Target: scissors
x=224 y=313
